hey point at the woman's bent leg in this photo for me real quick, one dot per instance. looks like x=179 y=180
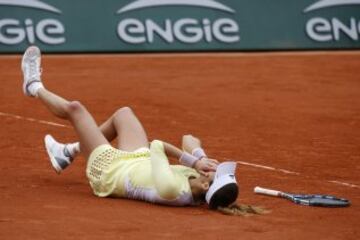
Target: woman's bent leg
x=90 y=135
x=123 y=124
x=130 y=132
x=56 y=104
x=87 y=130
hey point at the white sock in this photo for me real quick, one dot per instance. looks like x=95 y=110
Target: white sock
x=73 y=148
x=34 y=88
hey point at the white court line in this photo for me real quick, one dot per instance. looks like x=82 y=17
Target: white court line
x=345 y=184
x=33 y=120
x=268 y=168
x=293 y=173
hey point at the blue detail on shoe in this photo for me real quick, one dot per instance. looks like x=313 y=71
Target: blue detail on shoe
x=67 y=153
x=63 y=163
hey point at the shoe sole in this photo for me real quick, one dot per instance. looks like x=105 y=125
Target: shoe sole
x=53 y=161
x=27 y=52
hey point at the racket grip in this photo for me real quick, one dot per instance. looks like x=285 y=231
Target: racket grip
x=265 y=191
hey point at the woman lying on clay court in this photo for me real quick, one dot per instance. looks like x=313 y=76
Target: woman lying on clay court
x=137 y=169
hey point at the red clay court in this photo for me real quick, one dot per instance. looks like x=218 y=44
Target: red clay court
x=291 y=119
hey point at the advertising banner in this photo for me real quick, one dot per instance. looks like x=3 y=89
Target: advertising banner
x=178 y=25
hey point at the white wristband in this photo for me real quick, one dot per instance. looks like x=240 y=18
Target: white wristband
x=198 y=153
x=187 y=159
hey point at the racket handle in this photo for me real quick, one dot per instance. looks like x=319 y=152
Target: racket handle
x=265 y=191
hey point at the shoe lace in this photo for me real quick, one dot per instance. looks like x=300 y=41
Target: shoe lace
x=34 y=70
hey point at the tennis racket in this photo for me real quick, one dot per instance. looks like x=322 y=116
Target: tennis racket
x=306 y=199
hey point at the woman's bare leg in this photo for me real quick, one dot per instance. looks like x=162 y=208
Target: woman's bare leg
x=56 y=104
x=122 y=124
x=89 y=134
x=125 y=126
x=130 y=132
x=108 y=129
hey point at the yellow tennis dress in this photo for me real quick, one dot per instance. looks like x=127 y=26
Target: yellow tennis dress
x=144 y=174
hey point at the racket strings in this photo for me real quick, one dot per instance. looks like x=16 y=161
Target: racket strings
x=320 y=200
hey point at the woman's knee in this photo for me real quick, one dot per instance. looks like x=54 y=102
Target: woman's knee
x=74 y=108
x=124 y=111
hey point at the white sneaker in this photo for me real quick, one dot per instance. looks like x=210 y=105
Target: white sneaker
x=30 y=66
x=59 y=155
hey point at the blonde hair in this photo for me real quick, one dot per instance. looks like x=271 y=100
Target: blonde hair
x=242 y=210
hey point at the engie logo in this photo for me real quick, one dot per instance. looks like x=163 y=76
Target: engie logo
x=186 y=29
x=15 y=31
x=322 y=29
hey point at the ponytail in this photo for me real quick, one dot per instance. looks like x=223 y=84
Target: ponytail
x=242 y=210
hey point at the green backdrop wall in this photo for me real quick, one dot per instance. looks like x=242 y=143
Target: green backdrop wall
x=178 y=25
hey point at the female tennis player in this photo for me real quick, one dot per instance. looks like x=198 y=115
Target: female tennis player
x=136 y=169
